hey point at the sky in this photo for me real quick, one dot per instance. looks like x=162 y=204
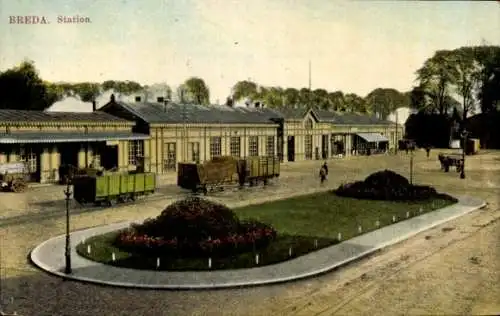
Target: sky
x=353 y=46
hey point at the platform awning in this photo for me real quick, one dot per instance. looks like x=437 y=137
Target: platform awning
x=373 y=137
x=41 y=137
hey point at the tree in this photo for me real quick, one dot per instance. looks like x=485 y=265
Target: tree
x=336 y=101
x=21 y=88
x=273 y=97
x=383 y=101
x=245 y=89
x=319 y=99
x=434 y=78
x=87 y=91
x=355 y=103
x=292 y=97
x=466 y=79
x=196 y=91
x=489 y=91
x=305 y=97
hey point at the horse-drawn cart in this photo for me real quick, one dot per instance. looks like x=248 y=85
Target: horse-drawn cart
x=14 y=176
x=448 y=161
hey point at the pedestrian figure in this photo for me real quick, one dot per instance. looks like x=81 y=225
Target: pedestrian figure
x=325 y=166
x=322 y=174
x=428 y=151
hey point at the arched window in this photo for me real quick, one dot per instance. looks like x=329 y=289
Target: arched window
x=309 y=124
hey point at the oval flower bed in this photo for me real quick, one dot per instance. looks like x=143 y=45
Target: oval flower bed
x=253 y=236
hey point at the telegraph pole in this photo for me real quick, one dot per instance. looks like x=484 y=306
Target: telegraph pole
x=310 y=92
x=396 y=140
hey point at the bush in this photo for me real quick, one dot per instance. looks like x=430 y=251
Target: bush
x=390 y=186
x=195 y=227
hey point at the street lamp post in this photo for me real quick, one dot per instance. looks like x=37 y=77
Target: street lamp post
x=411 y=164
x=464 y=145
x=67 y=253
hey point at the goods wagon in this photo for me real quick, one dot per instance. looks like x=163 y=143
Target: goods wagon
x=113 y=187
x=226 y=170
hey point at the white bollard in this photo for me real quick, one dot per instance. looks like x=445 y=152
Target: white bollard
x=315 y=243
x=290 y=251
x=393 y=219
x=157 y=263
x=210 y=263
x=209 y=237
x=360 y=229
x=113 y=257
x=377 y=223
x=339 y=236
x=257 y=259
x=407 y=214
x=88 y=249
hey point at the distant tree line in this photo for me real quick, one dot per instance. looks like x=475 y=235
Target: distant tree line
x=461 y=81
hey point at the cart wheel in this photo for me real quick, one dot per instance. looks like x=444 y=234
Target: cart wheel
x=18 y=186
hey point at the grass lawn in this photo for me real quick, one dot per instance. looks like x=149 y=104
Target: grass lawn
x=304 y=224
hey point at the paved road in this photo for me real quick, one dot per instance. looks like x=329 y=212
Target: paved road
x=402 y=279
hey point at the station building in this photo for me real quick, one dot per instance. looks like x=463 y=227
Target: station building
x=47 y=140
x=159 y=135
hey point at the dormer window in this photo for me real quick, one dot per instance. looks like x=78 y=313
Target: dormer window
x=309 y=123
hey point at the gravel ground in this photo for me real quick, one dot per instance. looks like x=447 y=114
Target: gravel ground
x=452 y=269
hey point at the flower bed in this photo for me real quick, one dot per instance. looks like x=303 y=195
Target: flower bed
x=390 y=186
x=195 y=228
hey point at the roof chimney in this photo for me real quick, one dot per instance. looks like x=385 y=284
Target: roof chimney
x=137 y=99
x=257 y=104
x=112 y=98
x=160 y=99
x=94 y=106
x=165 y=103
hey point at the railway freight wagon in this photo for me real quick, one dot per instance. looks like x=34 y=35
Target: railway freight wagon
x=113 y=187
x=222 y=171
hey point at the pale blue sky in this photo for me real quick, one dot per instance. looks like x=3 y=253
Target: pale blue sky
x=353 y=46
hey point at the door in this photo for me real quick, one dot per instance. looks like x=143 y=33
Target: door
x=291 y=148
x=109 y=157
x=324 y=146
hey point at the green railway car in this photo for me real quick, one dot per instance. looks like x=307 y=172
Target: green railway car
x=112 y=188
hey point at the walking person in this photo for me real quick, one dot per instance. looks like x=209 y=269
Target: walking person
x=428 y=150
x=323 y=172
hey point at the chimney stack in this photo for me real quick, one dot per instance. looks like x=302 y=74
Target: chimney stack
x=112 y=98
x=257 y=104
x=165 y=103
x=94 y=106
x=137 y=99
x=160 y=99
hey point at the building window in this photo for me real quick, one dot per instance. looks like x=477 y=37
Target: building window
x=235 y=146
x=170 y=157
x=253 y=146
x=215 y=147
x=270 y=146
x=96 y=161
x=27 y=156
x=194 y=151
x=308 y=146
x=309 y=124
x=135 y=151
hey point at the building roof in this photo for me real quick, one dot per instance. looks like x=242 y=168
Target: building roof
x=348 y=118
x=153 y=112
x=63 y=137
x=22 y=116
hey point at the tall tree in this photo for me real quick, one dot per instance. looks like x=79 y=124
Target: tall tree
x=434 y=78
x=21 y=88
x=87 y=91
x=355 y=103
x=466 y=78
x=383 y=101
x=336 y=101
x=292 y=97
x=197 y=91
x=305 y=97
x=319 y=99
x=245 y=89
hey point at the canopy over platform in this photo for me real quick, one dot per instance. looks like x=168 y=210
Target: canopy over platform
x=373 y=137
x=30 y=137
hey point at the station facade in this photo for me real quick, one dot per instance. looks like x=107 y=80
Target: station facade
x=158 y=135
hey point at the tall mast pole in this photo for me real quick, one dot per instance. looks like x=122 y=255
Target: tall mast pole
x=310 y=92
